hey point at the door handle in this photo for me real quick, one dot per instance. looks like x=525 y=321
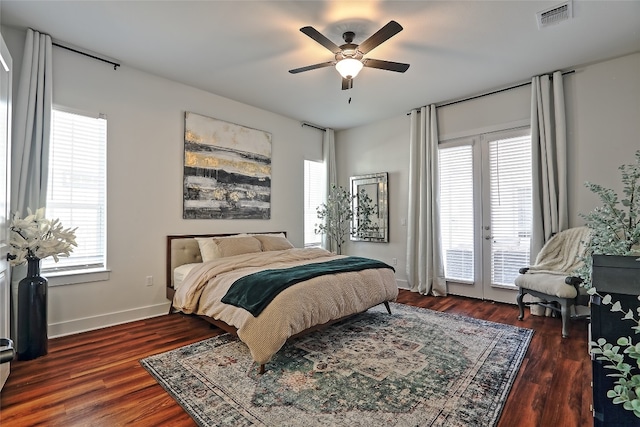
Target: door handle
x=7 y=353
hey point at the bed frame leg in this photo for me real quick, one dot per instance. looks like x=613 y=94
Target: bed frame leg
x=386 y=304
x=170 y=308
x=261 y=369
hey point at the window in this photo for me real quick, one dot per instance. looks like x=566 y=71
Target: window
x=76 y=192
x=511 y=207
x=313 y=189
x=456 y=211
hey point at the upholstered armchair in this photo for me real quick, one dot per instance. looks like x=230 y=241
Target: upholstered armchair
x=550 y=278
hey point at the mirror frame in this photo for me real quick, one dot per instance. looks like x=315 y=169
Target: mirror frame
x=381 y=200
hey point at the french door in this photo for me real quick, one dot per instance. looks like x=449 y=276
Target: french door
x=5 y=158
x=486 y=212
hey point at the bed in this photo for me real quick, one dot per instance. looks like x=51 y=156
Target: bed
x=204 y=270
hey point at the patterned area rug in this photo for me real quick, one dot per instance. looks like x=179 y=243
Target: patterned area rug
x=416 y=367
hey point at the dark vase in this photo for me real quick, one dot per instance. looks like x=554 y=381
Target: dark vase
x=32 y=313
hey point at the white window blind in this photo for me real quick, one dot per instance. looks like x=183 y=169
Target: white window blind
x=456 y=211
x=313 y=197
x=76 y=191
x=511 y=207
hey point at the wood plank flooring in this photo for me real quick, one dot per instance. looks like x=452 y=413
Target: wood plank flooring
x=94 y=378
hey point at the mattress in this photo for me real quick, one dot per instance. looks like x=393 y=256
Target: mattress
x=179 y=273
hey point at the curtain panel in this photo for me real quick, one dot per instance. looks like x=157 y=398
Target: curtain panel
x=331 y=179
x=425 y=268
x=32 y=125
x=549 y=158
x=31 y=130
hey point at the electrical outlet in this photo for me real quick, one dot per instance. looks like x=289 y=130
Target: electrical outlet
x=394 y=261
x=149 y=281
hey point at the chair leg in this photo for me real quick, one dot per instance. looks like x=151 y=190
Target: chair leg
x=519 y=298
x=564 y=311
x=386 y=304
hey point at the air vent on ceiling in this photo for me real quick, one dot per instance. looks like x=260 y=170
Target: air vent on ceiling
x=556 y=14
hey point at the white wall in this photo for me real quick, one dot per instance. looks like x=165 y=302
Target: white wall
x=145 y=116
x=603 y=115
x=603 y=103
x=379 y=147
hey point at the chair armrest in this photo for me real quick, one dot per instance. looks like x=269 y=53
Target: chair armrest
x=572 y=280
x=523 y=270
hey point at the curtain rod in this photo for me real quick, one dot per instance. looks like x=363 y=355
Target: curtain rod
x=115 y=64
x=488 y=93
x=313 y=126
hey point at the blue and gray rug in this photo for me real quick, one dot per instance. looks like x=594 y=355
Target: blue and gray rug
x=415 y=367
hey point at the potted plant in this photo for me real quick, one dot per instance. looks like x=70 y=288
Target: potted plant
x=338 y=212
x=611 y=273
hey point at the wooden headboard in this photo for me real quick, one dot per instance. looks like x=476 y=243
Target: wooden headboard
x=184 y=249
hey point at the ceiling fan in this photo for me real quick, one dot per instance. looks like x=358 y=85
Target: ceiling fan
x=349 y=57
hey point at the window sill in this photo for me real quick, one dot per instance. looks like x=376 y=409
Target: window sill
x=76 y=277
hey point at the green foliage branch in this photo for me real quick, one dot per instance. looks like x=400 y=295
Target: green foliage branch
x=340 y=217
x=615 y=230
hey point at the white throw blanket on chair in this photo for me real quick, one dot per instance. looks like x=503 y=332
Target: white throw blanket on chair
x=561 y=254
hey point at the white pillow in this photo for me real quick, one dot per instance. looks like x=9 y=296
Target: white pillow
x=207 y=248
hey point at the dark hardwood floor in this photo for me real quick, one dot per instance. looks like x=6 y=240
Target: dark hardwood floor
x=94 y=378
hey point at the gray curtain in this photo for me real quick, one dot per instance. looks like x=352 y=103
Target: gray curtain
x=329 y=158
x=32 y=125
x=30 y=138
x=549 y=158
x=425 y=269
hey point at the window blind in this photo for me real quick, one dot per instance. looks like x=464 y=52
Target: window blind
x=456 y=211
x=511 y=207
x=313 y=197
x=76 y=192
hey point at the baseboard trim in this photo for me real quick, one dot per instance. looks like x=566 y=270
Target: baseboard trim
x=403 y=284
x=85 y=324
x=92 y=323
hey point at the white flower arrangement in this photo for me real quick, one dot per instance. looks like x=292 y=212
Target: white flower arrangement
x=34 y=236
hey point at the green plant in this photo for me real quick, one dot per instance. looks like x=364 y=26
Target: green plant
x=338 y=214
x=615 y=230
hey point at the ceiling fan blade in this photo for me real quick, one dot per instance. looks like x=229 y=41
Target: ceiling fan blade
x=312 y=67
x=385 y=65
x=317 y=36
x=383 y=34
x=347 y=84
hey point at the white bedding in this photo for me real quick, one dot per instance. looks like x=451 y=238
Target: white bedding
x=306 y=304
x=180 y=272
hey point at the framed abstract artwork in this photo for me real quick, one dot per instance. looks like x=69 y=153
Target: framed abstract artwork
x=227 y=170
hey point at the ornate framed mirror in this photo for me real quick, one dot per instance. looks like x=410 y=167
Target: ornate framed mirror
x=370 y=221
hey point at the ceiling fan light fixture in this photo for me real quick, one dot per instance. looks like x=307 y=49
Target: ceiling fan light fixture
x=349 y=57
x=349 y=67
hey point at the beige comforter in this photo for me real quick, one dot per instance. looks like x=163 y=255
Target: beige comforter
x=301 y=306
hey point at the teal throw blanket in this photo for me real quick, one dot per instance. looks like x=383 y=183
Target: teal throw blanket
x=255 y=291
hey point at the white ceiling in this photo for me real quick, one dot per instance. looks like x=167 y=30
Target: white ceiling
x=243 y=50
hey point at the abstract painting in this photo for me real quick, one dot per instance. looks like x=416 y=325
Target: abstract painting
x=227 y=170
